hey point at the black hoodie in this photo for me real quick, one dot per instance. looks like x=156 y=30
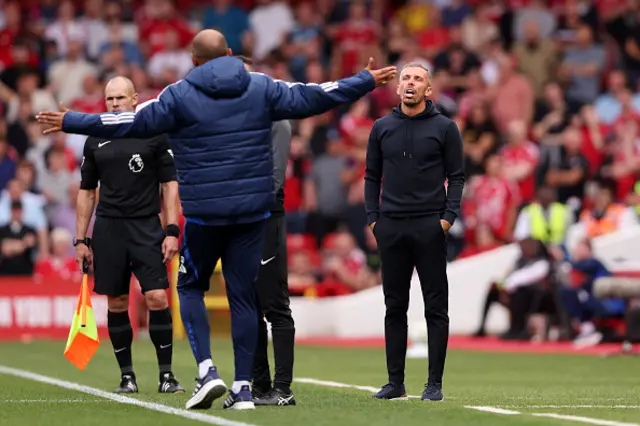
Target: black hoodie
x=411 y=157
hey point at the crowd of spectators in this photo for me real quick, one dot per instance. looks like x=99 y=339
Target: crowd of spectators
x=545 y=93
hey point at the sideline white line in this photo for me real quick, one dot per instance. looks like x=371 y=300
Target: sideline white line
x=630 y=407
x=204 y=418
x=331 y=384
x=494 y=410
x=54 y=401
x=581 y=419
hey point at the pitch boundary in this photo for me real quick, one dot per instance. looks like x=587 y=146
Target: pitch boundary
x=153 y=406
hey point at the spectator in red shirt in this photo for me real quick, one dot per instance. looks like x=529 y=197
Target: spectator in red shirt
x=302 y=274
x=355 y=121
x=10 y=32
x=160 y=18
x=355 y=39
x=298 y=167
x=345 y=268
x=435 y=38
x=520 y=158
x=92 y=99
x=493 y=202
x=61 y=264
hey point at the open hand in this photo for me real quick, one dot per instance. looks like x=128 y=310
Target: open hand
x=52 y=119
x=383 y=75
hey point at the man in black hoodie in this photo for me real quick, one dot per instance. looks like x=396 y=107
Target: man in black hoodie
x=411 y=153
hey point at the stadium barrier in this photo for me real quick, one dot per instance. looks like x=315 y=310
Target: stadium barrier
x=34 y=309
x=31 y=309
x=361 y=315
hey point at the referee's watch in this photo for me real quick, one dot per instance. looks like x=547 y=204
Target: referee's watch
x=86 y=241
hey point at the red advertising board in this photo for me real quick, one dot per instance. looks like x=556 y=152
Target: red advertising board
x=36 y=310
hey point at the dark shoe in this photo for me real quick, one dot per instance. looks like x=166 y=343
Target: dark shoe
x=260 y=393
x=127 y=384
x=391 y=391
x=169 y=384
x=277 y=397
x=432 y=392
x=480 y=333
x=516 y=336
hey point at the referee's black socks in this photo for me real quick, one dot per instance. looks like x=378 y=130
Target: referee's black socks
x=161 y=333
x=121 y=336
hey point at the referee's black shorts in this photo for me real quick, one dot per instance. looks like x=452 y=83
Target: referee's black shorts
x=125 y=245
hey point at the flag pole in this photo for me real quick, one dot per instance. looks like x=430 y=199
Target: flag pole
x=83 y=290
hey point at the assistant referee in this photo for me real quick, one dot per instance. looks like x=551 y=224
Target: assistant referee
x=417 y=149
x=273 y=287
x=128 y=236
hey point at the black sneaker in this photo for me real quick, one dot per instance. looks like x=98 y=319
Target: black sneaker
x=432 y=392
x=391 y=391
x=127 y=384
x=258 y=393
x=277 y=397
x=169 y=384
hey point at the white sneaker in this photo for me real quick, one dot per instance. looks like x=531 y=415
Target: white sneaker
x=587 y=340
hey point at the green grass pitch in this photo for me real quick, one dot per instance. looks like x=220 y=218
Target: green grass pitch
x=575 y=389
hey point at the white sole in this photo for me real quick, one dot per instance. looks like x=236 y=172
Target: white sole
x=243 y=405
x=209 y=392
x=401 y=398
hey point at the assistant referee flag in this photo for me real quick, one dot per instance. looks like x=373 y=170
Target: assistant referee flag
x=83 y=339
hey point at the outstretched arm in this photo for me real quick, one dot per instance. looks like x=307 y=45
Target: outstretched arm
x=152 y=118
x=290 y=101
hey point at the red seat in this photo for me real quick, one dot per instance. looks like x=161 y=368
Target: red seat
x=329 y=242
x=300 y=242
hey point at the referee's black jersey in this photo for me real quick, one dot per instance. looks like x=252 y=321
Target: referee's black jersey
x=129 y=172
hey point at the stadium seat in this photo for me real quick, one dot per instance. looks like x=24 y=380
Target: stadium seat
x=301 y=242
x=329 y=242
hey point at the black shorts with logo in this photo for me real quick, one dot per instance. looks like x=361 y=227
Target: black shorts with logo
x=122 y=246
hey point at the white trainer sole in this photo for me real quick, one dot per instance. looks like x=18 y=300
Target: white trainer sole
x=243 y=405
x=209 y=392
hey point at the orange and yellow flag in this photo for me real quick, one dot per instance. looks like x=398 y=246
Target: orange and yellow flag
x=83 y=339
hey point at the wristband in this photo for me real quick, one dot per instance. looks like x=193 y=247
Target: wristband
x=173 y=230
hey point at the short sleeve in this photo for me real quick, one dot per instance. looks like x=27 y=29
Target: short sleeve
x=164 y=159
x=88 y=168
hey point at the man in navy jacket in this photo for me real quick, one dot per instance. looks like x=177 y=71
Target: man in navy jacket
x=219 y=120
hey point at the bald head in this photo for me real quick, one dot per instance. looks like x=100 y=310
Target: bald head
x=208 y=45
x=120 y=95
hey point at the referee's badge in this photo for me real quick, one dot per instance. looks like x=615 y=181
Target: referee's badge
x=136 y=164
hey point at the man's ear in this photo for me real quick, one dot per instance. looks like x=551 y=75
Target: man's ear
x=194 y=61
x=134 y=100
x=229 y=52
x=429 y=91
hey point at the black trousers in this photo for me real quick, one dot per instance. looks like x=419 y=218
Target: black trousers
x=405 y=244
x=273 y=300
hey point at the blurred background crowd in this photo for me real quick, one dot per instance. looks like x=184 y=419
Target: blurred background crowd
x=545 y=93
